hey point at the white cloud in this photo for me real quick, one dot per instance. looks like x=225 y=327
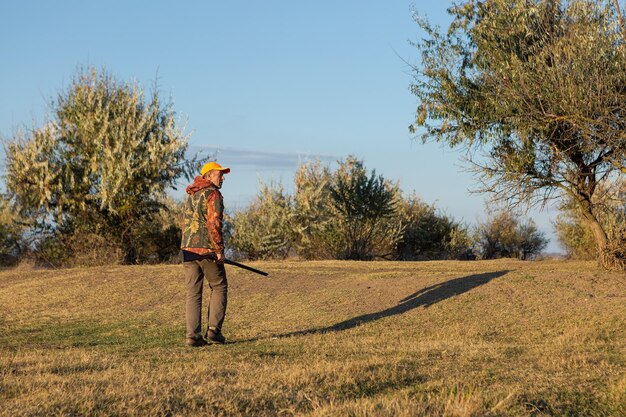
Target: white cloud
x=254 y=159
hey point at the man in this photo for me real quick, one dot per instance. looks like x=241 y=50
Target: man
x=203 y=254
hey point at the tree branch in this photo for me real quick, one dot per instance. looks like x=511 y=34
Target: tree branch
x=621 y=20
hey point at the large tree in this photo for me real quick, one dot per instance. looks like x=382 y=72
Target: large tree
x=101 y=164
x=540 y=85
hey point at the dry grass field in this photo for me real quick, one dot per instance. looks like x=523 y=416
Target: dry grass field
x=496 y=338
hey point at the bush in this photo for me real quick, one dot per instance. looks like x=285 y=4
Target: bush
x=430 y=235
x=152 y=239
x=80 y=249
x=366 y=213
x=315 y=229
x=157 y=237
x=348 y=213
x=575 y=237
x=265 y=229
x=503 y=236
x=11 y=233
x=461 y=243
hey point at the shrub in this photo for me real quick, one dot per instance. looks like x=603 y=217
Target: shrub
x=430 y=235
x=348 y=213
x=157 y=237
x=265 y=229
x=11 y=233
x=575 y=237
x=460 y=243
x=365 y=207
x=315 y=229
x=79 y=249
x=503 y=236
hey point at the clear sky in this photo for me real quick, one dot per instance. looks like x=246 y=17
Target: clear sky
x=267 y=83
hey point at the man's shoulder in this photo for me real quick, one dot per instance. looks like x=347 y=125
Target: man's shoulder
x=215 y=193
x=206 y=192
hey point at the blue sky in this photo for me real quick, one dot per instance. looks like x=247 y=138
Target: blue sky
x=265 y=83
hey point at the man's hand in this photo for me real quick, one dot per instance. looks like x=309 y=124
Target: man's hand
x=219 y=258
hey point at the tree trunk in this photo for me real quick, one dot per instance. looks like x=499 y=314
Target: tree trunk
x=598 y=233
x=607 y=257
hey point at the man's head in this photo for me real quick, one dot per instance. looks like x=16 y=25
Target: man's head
x=214 y=172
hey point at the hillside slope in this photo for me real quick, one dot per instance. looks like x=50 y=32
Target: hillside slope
x=319 y=338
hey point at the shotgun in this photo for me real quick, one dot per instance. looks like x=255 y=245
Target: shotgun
x=249 y=268
x=190 y=256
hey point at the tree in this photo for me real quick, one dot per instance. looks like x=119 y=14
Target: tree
x=498 y=236
x=101 y=165
x=347 y=213
x=366 y=210
x=540 y=85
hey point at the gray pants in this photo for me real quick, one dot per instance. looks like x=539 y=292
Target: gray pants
x=195 y=272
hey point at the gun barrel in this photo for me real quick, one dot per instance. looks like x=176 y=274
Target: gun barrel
x=249 y=268
x=190 y=256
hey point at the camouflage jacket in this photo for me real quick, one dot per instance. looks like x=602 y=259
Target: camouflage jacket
x=203 y=214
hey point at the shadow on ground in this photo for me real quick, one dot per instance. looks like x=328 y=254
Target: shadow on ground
x=425 y=297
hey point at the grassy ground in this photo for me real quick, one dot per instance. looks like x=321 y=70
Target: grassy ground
x=319 y=338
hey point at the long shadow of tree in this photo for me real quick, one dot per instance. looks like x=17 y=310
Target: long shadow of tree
x=425 y=297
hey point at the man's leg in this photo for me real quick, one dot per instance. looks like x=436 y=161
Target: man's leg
x=216 y=277
x=194 y=278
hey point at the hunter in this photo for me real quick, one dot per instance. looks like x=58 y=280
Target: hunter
x=203 y=255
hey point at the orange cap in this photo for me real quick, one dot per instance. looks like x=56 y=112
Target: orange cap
x=210 y=166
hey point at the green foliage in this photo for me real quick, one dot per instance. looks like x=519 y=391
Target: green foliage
x=575 y=235
x=78 y=249
x=11 y=233
x=315 y=231
x=100 y=166
x=366 y=212
x=155 y=239
x=430 y=235
x=348 y=213
x=504 y=236
x=264 y=229
x=540 y=85
x=461 y=243
x=345 y=214
x=531 y=241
